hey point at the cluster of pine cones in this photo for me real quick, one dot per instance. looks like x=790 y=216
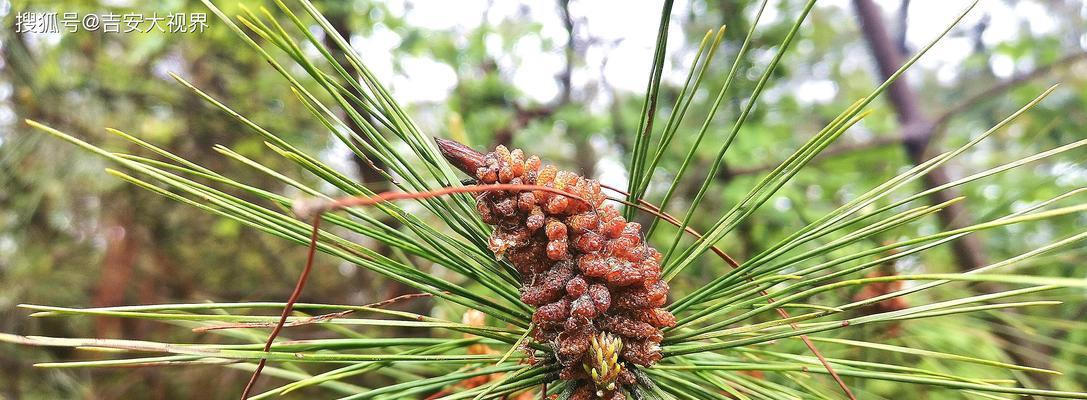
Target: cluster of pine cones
x=584 y=268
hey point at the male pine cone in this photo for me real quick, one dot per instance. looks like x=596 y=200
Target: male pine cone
x=583 y=267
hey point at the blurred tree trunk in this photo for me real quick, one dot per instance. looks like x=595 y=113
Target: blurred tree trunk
x=584 y=156
x=118 y=264
x=367 y=173
x=917 y=132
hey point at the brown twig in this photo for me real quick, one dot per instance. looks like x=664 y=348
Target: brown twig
x=246 y=325
x=397 y=299
x=290 y=303
x=311 y=320
x=308 y=208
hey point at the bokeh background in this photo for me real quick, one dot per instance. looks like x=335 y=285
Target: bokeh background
x=563 y=79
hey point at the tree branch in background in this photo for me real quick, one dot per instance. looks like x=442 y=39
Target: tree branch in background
x=940 y=121
x=903 y=21
x=829 y=154
x=585 y=158
x=522 y=116
x=1006 y=85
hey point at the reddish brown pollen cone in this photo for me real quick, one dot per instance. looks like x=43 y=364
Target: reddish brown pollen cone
x=461 y=156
